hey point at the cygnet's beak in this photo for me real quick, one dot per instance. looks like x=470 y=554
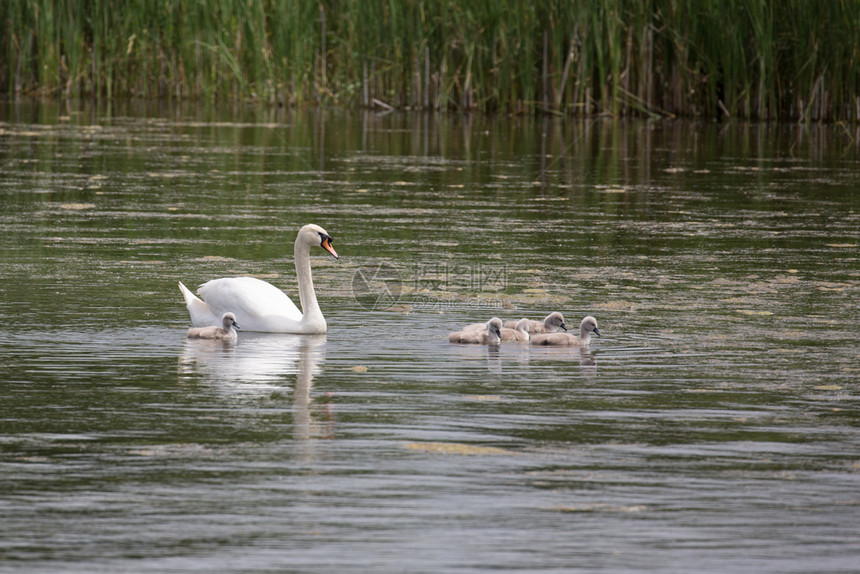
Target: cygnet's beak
x=236 y=325
x=563 y=326
x=596 y=331
x=499 y=333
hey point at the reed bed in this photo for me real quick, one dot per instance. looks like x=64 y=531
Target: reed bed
x=786 y=59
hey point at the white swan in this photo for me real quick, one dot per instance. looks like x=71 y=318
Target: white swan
x=490 y=336
x=550 y=324
x=586 y=328
x=260 y=306
x=520 y=332
x=226 y=332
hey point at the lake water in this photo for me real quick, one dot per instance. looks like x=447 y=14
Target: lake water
x=714 y=427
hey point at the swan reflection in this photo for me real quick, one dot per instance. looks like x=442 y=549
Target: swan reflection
x=262 y=364
x=257 y=361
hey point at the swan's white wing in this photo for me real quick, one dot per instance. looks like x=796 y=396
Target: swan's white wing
x=259 y=306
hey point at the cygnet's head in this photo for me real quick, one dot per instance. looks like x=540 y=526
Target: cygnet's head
x=314 y=235
x=555 y=321
x=588 y=326
x=229 y=320
x=523 y=325
x=494 y=328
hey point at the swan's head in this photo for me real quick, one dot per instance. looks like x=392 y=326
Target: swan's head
x=554 y=321
x=523 y=325
x=229 y=320
x=494 y=328
x=315 y=235
x=588 y=326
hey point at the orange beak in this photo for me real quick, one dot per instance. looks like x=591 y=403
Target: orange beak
x=326 y=244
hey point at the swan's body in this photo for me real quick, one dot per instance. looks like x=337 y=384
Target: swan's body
x=225 y=332
x=550 y=324
x=520 y=332
x=586 y=328
x=260 y=306
x=490 y=336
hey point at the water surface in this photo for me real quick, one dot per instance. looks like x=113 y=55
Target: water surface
x=713 y=427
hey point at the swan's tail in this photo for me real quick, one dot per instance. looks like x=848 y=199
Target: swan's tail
x=201 y=315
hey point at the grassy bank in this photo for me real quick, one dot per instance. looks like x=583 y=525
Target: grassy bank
x=788 y=59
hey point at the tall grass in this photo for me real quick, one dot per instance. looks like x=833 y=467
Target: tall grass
x=755 y=59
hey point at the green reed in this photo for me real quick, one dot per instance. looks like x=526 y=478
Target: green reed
x=712 y=58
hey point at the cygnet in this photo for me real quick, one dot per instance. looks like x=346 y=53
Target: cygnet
x=550 y=324
x=227 y=332
x=490 y=336
x=586 y=328
x=520 y=332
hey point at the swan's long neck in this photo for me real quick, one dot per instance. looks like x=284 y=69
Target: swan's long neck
x=311 y=312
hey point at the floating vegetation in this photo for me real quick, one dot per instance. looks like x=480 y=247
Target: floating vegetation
x=456 y=448
x=600 y=507
x=617 y=305
x=761 y=60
